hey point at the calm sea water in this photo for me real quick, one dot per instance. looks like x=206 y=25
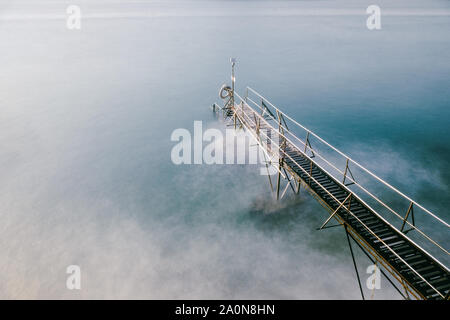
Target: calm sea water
x=85 y=124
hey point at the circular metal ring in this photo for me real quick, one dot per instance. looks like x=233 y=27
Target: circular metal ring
x=225 y=91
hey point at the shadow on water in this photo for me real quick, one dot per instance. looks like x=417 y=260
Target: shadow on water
x=270 y=215
x=295 y=220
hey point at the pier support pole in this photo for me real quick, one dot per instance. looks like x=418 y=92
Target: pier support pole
x=354 y=263
x=279 y=178
x=381 y=270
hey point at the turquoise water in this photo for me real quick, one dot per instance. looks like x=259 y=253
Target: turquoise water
x=85 y=123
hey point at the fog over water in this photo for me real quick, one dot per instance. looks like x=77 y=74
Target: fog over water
x=86 y=117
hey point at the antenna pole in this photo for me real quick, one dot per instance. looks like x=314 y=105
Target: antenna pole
x=233 y=79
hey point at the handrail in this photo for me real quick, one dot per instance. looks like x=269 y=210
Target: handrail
x=351 y=160
x=400 y=233
x=317 y=153
x=350 y=192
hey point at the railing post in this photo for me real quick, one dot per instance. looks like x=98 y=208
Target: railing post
x=281 y=133
x=345 y=172
x=410 y=210
x=347 y=169
x=308 y=144
x=306 y=140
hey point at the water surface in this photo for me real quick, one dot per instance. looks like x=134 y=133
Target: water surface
x=85 y=124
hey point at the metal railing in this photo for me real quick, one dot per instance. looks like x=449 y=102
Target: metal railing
x=286 y=133
x=307 y=146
